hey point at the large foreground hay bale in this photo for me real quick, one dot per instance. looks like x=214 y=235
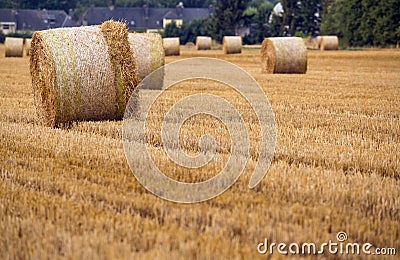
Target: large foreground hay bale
x=171 y=46
x=203 y=43
x=27 y=46
x=83 y=73
x=284 y=55
x=329 y=43
x=14 y=47
x=232 y=44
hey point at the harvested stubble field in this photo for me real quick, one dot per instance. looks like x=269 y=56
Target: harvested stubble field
x=70 y=192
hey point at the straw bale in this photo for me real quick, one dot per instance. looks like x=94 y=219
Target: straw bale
x=232 y=44
x=190 y=45
x=147 y=51
x=82 y=73
x=203 y=43
x=329 y=43
x=284 y=55
x=149 y=56
x=171 y=46
x=14 y=47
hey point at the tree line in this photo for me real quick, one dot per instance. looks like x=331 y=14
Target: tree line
x=356 y=22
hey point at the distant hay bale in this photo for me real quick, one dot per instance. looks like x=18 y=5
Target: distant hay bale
x=171 y=46
x=27 y=46
x=329 y=43
x=203 y=43
x=82 y=73
x=284 y=55
x=14 y=47
x=232 y=44
x=190 y=45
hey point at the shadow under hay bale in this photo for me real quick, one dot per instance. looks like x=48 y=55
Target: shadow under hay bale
x=284 y=55
x=14 y=47
x=171 y=46
x=329 y=43
x=203 y=43
x=232 y=44
x=82 y=73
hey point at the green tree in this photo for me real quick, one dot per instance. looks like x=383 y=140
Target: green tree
x=259 y=22
x=189 y=31
x=362 y=23
x=2 y=37
x=300 y=17
x=228 y=17
x=172 y=30
x=196 y=27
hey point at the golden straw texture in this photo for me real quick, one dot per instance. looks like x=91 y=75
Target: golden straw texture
x=284 y=55
x=329 y=43
x=14 y=47
x=203 y=43
x=232 y=44
x=171 y=46
x=82 y=73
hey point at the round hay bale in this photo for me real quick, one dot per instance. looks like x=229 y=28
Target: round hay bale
x=148 y=52
x=171 y=46
x=82 y=73
x=27 y=46
x=190 y=45
x=232 y=44
x=284 y=55
x=14 y=47
x=329 y=43
x=203 y=43
x=149 y=55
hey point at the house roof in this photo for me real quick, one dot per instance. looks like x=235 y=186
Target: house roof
x=135 y=17
x=33 y=20
x=42 y=19
x=7 y=15
x=172 y=16
x=138 y=17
